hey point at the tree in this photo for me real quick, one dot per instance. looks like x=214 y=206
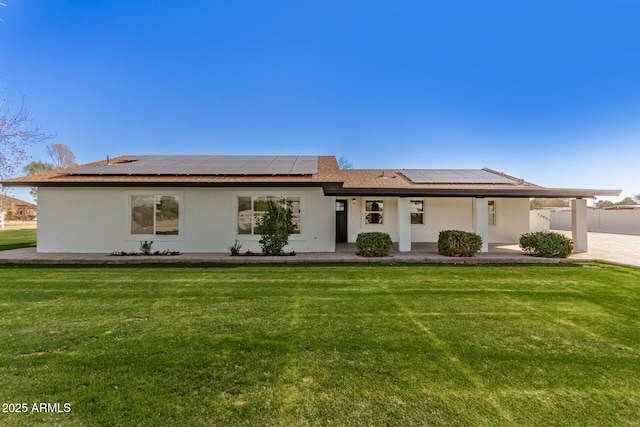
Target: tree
x=603 y=204
x=61 y=156
x=343 y=163
x=17 y=134
x=548 y=203
x=275 y=228
x=37 y=167
x=626 y=201
x=34 y=168
x=637 y=197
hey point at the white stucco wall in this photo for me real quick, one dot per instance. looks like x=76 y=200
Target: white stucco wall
x=512 y=220
x=540 y=220
x=80 y=220
x=98 y=220
x=601 y=221
x=355 y=222
x=443 y=214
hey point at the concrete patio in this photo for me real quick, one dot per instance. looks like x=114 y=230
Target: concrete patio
x=608 y=248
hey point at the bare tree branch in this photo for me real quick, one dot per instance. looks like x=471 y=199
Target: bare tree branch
x=16 y=135
x=343 y=163
x=61 y=155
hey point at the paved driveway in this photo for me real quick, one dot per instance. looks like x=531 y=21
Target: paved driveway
x=620 y=249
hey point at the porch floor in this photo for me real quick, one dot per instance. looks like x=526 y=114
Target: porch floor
x=617 y=249
x=432 y=248
x=345 y=253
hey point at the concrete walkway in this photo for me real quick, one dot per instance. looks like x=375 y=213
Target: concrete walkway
x=619 y=249
x=609 y=248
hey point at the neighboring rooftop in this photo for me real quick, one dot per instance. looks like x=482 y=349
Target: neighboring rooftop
x=6 y=201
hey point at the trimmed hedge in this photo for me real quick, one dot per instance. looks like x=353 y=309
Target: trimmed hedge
x=458 y=243
x=373 y=244
x=546 y=244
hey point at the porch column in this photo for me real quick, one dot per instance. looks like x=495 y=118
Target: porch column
x=481 y=221
x=404 y=224
x=579 y=225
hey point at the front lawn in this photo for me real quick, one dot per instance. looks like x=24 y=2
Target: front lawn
x=16 y=239
x=320 y=345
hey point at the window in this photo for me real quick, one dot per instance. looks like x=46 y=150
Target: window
x=251 y=209
x=373 y=212
x=491 y=206
x=155 y=215
x=417 y=212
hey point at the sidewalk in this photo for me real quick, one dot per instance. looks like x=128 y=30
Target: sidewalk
x=609 y=248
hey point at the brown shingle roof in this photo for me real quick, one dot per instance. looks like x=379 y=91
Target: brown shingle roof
x=8 y=201
x=390 y=178
x=327 y=168
x=335 y=181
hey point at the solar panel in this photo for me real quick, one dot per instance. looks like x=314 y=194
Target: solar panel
x=206 y=165
x=454 y=176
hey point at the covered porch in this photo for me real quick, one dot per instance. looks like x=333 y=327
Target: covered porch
x=482 y=212
x=499 y=220
x=414 y=205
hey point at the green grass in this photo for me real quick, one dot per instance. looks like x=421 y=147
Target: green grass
x=16 y=239
x=322 y=345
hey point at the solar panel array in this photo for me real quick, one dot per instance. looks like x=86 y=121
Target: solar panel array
x=206 y=165
x=455 y=176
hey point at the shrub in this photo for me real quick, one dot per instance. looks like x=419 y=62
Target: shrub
x=275 y=228
x=145 y=251
x=546 y=244
x=145 y=247
x=235 y=248
x=373 y=244
x=458 y=243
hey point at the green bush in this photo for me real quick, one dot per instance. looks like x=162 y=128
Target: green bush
x=546 y=244
x=458 y=243
x=373 y=244
x=275 y=228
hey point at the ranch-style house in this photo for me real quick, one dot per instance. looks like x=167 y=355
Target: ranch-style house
x=205 y=203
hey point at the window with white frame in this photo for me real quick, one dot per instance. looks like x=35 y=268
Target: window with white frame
x=374 y=212
x=491 y=210
x=417 y=212
x=251 y=209
x=155 y=214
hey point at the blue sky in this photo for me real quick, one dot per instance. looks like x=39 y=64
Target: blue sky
x=548 y=91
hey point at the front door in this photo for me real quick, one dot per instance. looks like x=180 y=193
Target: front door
x=341 y=221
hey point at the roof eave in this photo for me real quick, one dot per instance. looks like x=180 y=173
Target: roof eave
x=170 y=184
x=472 y=192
